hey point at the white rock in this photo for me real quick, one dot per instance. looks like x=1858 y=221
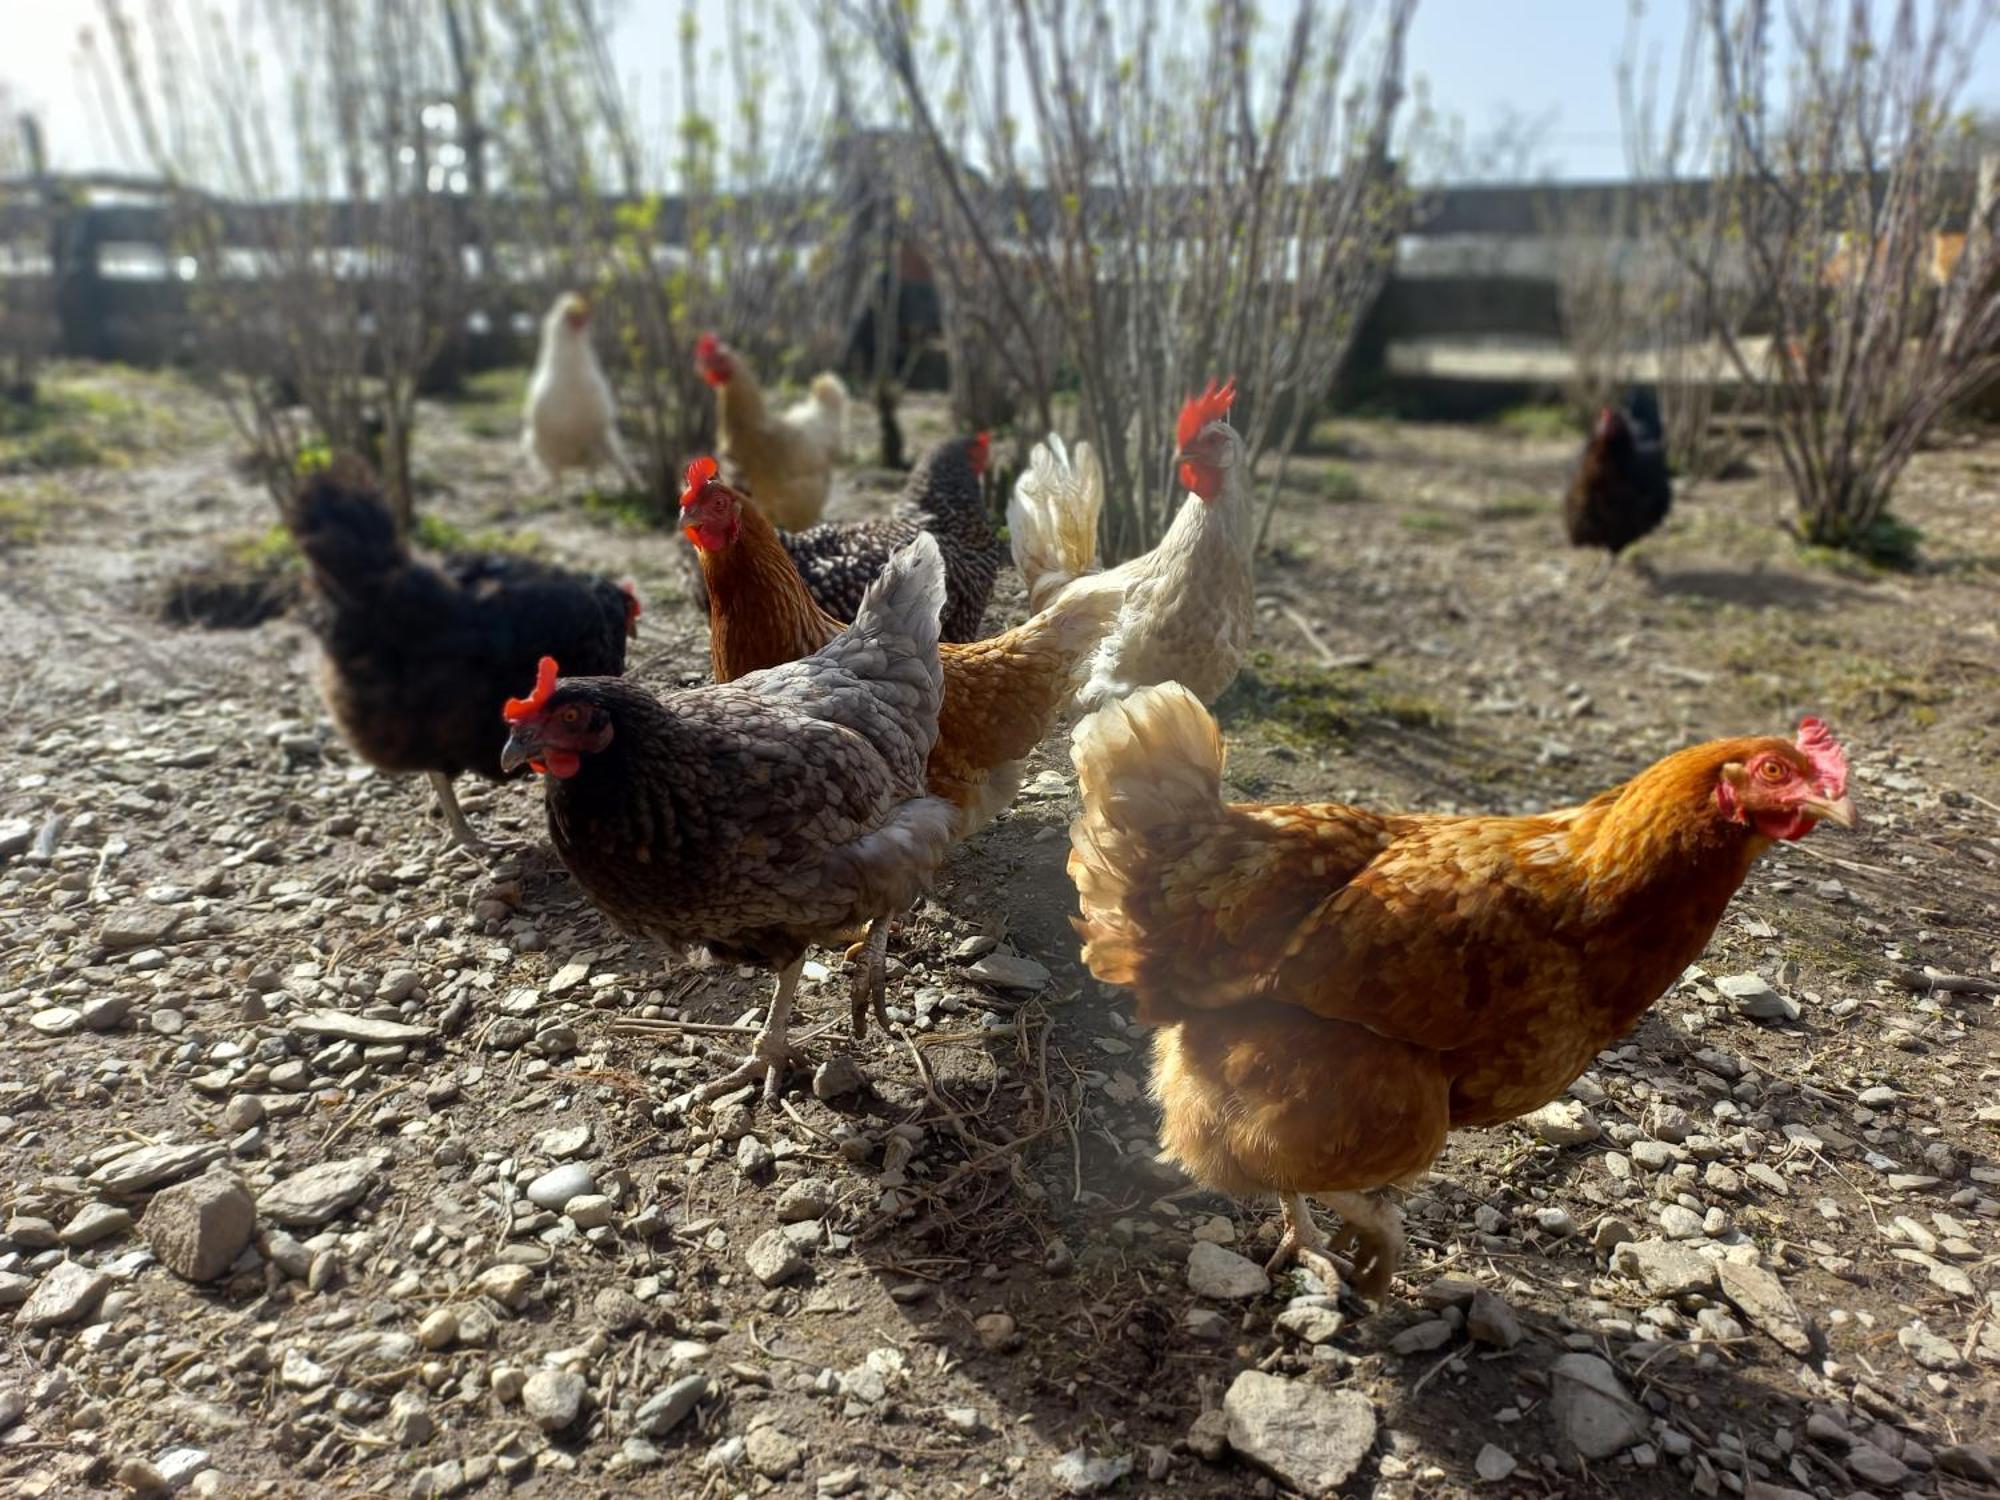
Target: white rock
x=1224 y=1275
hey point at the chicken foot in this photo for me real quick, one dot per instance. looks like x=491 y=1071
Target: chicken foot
x=1307 y=1243
x=454 y=815
x=1372 y=1231
x=870 y=957
x=770 y=1052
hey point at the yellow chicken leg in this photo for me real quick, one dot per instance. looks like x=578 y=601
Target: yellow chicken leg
x=770 y=1053
x=871 y=978
x=1307 y=1243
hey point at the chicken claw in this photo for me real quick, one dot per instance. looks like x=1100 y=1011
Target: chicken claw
x=770 y=1052
x=1305 y=1242
x=871 y=979
x=1374 y=1228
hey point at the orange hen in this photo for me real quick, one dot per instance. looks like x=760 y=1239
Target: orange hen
x=1336 y=989
x=1001 y=695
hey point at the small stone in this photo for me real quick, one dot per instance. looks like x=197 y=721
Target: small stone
x=1565 y=1122
x=1762 y=1298
x=590 y=1210
x=244 y=1112
x=69 y=1293
x=996 y=1331
x=1010 y=971
x=106 y=1012
x=772 y=1259
x=1724 y=1180
x=95 y=1223
x=439 y=1329
x=566 y=1141
x=753 y=1157
x=410 y=1421
x=1667 y=1270
x=1308 y=1437
x=1223 y=1275
x=1871 y=1464
x=197 y=1229
x=308 y=1199
x=1208 y=1436
x=57 y=1020
x=1753 y=996
x=1306 y=1320
x=1680 y=1223
x=151 y=1166
x=1493 y=1464
x=509 y=1285
x=1969 y=1461
x=142 y=1477
x=553 y=1398
x=808 y=1198
x=772 y=1453
x=1591 y=1408
x=1420 y=1338
x=665 y=1410
x=365 y=1030
x=1079 y=1472
x=839 y=1077
x=1926 y=1348
x=1491 y=1321
x=555 y=1187
x=298 y=1371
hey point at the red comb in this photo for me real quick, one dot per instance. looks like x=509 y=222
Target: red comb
x=1817 y=744
x=978 y=451
x=518 y=709
x=1211 y=405
x=699 y=473
x=707 y=347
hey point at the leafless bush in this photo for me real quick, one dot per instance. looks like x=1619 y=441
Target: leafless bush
x=1826 y=217
x=1169 y=198
x=27 y=271
x=307 y=205
x=739 y=198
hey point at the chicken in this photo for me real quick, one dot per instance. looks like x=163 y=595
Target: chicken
x=570 y=420
x=419 y=658
x=785 y=462
x=762 y=816
x=1620 y=491
x=838 y=559
x=1335 y=988
x=1187 y=603
x=1001 y=695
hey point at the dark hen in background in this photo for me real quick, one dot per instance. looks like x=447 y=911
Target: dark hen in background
x=1620 y=491
x=420 y=658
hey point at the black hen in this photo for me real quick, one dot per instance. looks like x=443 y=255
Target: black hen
x=1620 y=491
x=839 y=559
x=420 y=658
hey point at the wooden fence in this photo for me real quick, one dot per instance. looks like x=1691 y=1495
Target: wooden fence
x=1472 y=300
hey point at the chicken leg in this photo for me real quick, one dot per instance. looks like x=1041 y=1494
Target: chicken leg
x=871 y=977
x=770 y=1053
x=454 y=815
x=1307 y=1243
x=1374 y=1227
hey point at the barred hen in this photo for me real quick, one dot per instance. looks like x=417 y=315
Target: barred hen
x=761 y=816
x=420 y=657
x=839 y=559
x=1620 y=491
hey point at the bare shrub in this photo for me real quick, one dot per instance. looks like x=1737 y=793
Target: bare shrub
x=29 y=232
x=305 y=200
x=1824 y=217
x=1162 y=203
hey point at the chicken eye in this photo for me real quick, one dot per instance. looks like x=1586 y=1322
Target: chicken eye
x=570 y=717
x=1771 y=771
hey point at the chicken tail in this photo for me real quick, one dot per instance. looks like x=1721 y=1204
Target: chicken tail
x=342 y=524
x=1052 y=518
x=893 y=643
x=1150 y=771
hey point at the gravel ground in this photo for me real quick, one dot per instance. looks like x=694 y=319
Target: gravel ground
x=340 y=1162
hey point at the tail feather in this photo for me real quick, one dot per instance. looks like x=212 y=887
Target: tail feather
x=344 y=528
x=1052 y=518
x=1146 y=765
x=893 y=644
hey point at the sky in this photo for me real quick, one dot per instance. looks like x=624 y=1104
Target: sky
x=1484 y=63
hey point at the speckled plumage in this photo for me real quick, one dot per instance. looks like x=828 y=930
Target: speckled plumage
x=839 y=559
x=774 y=812
x=418 y=658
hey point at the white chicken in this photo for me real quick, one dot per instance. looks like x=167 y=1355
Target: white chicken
x=570 y=420
x=1188 y=604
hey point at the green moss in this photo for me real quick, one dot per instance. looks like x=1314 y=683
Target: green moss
x=1543 y=421
x=628 y=510
x=90 y=419
x=266 y=553
x=488 y=404
x=436 y=534
x=1306 y=706
x=1339 y=486
x=1886 y=544
x=1426 y=522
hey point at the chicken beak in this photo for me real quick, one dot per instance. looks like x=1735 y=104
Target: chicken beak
x=523 y=745
x=1834 y=809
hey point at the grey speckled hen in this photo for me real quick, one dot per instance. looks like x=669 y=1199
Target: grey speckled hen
x=758 y=818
